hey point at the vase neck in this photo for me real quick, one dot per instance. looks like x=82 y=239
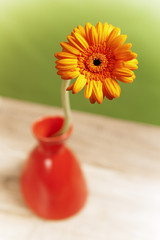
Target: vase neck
x=50 y=148
x=46 y=129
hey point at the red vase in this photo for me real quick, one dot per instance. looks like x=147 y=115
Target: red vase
x=52 y=182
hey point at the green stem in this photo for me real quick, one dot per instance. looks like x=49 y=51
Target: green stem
x=66 y=106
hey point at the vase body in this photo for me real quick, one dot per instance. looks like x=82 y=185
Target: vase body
x=52 y=182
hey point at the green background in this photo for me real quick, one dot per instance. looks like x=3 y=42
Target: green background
x=31 y=32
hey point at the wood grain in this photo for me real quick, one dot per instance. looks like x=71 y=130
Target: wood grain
x=121 y=162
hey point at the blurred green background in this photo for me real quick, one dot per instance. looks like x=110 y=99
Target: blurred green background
x=31 y=32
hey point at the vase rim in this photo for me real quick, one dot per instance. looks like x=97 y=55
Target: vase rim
x=40 y=125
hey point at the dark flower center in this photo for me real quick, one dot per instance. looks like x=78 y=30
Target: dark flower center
x=96 y=62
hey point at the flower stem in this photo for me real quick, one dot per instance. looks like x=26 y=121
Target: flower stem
x=66 y=107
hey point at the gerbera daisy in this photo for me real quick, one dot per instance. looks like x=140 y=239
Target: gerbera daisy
x=97 y=57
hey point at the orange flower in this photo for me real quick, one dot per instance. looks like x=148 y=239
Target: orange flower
x=96 y=57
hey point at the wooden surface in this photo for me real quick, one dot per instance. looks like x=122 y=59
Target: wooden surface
x=121 y=162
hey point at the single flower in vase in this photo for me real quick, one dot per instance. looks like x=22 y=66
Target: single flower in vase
x=97 y=58
x=52 y=181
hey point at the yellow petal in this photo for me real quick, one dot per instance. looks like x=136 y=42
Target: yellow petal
x=66 y=75
x=112 y=87
x=82 y=31
x=75 y=30
x=114 y=33
x=92 y=98
x=118 y=41
x=123 y=72
x=125 y=79
x=110 y=28
x=105 y=32
x=99 y=29
x=123 y=48
x=79 y=84
x=93 y=35
x=88 y=89
x=61 y=55
x=74 y=43
x=66 y=67
x=81 y=40
x=88 y=27
x=69 y=48
x=67 y=61
x=97 y=89
x=125 y=55
x=132 y=65
x=106 y=93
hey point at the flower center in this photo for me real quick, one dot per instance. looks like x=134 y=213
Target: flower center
x=97 y=62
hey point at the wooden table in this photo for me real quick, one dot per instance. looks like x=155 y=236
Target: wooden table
x=121 y=162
